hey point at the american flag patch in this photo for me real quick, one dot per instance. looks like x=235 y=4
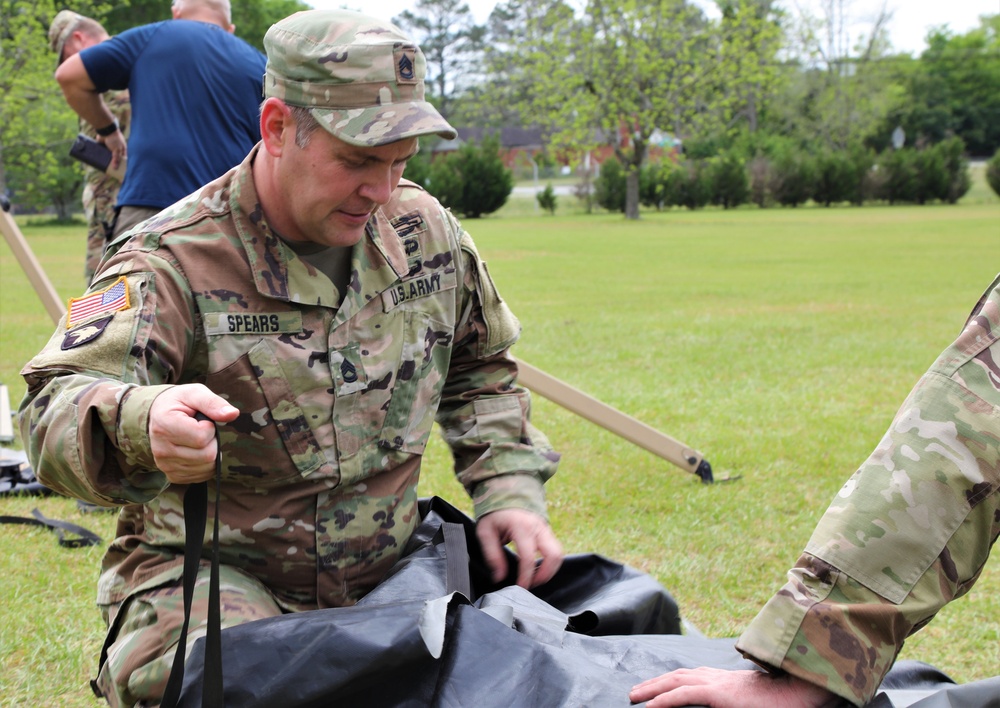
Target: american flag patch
x=111 y=299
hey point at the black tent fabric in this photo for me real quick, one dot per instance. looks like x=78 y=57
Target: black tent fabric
x=583 y=639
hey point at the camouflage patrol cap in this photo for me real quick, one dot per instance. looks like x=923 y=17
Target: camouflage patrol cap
x=362 y=78
x=61 y=28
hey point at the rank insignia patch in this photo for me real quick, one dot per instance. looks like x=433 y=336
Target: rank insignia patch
x=112 y=299
x=85 y=333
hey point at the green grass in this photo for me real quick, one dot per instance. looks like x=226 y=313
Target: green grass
x=777 y=342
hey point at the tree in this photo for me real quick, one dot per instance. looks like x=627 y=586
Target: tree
x=954 y=89
x=623 y=70
x=38 y=126
x=450 y=40
x=840 y=87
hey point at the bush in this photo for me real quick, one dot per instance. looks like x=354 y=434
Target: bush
x=897 y=176
x=609 y=187
x=727 y=180
x=472 y=181
x=993 y=172
x=836 y=180
x=547 y=199
x=792 y=177
x=653 y=184
x=958 y=181
x=689 y=185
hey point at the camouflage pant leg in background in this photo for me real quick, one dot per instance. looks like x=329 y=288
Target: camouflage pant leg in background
x=99 y=209
x=140 y=659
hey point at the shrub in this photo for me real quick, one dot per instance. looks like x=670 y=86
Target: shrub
x=689 y=186
x=836 y=180
x=898 y=176
x=993 y=172
x=792 y=177
x=547 y=199
x=958 y=181
x=472 y=181
x=609 y=187
x=727 y=179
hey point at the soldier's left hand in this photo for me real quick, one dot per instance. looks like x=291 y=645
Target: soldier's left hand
x=533 y=538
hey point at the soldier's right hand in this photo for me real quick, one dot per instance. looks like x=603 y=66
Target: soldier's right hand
x=184 y=448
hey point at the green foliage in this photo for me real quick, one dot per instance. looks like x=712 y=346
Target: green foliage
x=838 y=178
x=38 y=126
x=792 y=177
x=547 y=199
x=993 y=172
x=689 y=185
x=622 y=70
x=472 y=181
x=937 y=173
x=727 y=175
x=609 y=187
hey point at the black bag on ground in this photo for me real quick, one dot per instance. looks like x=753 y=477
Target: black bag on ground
x=438 y=633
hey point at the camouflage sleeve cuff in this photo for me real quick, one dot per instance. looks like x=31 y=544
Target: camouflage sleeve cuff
x=823 y=628
x=509 y=491
x=133 y=425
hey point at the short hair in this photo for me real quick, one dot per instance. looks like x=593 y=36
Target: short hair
x=305 y=124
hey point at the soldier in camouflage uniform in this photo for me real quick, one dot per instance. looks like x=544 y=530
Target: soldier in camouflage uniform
x=906 y=535
x=70 y=33
x=325 y=318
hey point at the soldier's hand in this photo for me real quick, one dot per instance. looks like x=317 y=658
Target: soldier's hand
x=184 y=448
x=721 y=688
x=118 y=146
x=532 y=537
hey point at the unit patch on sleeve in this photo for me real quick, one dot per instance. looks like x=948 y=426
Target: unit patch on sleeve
x=85 y=333
x=110 y=300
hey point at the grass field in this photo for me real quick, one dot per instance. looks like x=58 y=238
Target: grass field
x=777 y=342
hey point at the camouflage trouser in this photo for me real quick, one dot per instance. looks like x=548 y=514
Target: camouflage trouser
x=142 y=652
x=99 y=208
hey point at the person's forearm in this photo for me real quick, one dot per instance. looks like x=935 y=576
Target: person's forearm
x=82 y=95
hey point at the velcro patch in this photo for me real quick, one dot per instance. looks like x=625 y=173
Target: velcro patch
x=113 y=298
x=218 y=323
x=414 y=288
x=85 y=333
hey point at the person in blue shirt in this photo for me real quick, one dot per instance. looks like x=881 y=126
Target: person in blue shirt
x=196 y=90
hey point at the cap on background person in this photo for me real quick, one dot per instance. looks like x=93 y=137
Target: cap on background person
x=362 y=78
x=61 y=28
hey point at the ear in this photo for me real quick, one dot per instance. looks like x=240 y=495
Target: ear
x=277 y=129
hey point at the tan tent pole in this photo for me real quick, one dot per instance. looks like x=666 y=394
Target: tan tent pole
x=32 y=268
x=612 y=419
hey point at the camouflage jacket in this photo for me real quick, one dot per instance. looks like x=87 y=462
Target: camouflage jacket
x=336 y=402
x=908 y=533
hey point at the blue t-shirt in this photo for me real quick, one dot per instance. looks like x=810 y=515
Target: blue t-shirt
x=196 y=92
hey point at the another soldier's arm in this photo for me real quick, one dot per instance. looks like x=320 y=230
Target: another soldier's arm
x=85 y=419
x=82 y=96
x=908 y=533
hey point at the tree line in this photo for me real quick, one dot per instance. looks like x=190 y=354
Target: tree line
x=618 y=74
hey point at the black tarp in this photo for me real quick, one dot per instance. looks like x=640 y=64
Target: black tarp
x=583 y=639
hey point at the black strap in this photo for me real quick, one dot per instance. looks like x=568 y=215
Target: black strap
x=195 y=513
x=84 y=538
x=456 y=551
